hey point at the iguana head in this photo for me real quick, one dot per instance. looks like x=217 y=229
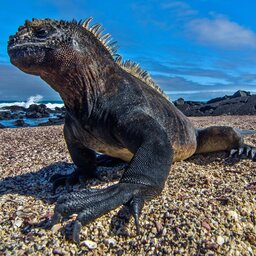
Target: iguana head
x=43 y=45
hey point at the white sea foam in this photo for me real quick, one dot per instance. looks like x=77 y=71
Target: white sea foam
x=54 y=105
x=32 y=100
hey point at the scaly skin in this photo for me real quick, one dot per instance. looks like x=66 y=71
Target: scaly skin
x=111 y=111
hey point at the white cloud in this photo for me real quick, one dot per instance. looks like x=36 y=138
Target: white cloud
x=175 y=4
x=181 y=8
x=221 y=32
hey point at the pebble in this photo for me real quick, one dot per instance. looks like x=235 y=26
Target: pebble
x=56 y=228
x=111 y=241
x=18 y=223
x=58 y=251
x=159 y=226
x=90 y=244
x=206 y=225
x=233 y=215
x=164 y=232
x=220 y=240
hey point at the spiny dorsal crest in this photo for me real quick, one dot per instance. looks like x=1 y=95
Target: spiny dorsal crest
x=134 y=69
x=129 y=66
x=97 y=31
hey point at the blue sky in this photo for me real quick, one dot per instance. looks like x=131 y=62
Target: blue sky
x=197 y=49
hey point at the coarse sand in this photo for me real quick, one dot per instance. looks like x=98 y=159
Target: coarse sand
x=208 y=206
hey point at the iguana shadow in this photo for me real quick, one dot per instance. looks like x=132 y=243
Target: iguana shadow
x=222 y=158
x=37 y=184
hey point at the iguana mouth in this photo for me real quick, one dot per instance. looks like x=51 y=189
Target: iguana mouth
x=27 y=45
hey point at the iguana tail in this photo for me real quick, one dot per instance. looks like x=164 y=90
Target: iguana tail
x=245 y=133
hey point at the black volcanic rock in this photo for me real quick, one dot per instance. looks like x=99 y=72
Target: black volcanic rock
x=2 y=126
x=37 y=108
x=34 y=114
x=37 y=111
x=15 y=108
x=240 y=103
x=60 y=110
x=5 y=115
x=241 y=94
x=179 y=102
x=189 y=108
x=218 y=99
x=53 y=121
x=20 y=123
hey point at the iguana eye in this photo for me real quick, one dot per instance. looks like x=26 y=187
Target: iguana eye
x=41 y=33
x=75 y=43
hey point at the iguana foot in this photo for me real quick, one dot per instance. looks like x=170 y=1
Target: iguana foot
x=246 y=151
x=91 y=204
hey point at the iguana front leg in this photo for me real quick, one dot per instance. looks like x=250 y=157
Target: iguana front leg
x=143 y=179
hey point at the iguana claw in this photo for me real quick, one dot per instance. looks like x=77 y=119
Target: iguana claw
x=135 y=207
x=232 y=152
x=246 y=151
x=76 y=232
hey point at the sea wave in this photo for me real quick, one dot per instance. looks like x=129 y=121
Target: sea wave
x=36 y=99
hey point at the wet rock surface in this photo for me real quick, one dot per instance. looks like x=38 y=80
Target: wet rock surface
x=37 y=111
x=20 y=123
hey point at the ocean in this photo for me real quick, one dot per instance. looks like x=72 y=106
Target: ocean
x=37 y=99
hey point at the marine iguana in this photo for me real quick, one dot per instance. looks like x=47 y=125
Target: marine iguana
x=115 y=108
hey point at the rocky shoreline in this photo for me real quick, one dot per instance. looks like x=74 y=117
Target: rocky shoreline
x=240 y=103
x=20 y=116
